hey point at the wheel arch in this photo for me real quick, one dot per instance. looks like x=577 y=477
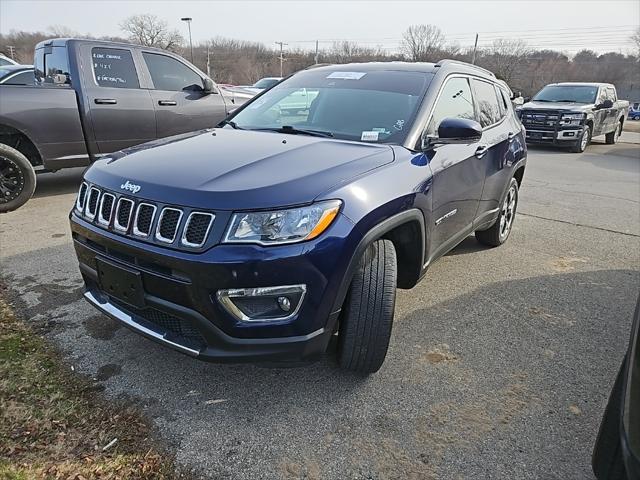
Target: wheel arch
x=410 y=251
x=17 y=139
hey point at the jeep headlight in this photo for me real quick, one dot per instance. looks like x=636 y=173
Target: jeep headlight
x=282 y=226
x=572 y=118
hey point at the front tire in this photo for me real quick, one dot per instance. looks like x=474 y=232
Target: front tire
x=612 y=137
x=499 y=232
x=17 y=179
x=365 y=326
x=584 y=141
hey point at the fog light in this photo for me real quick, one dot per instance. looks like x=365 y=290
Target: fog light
x=263 y=303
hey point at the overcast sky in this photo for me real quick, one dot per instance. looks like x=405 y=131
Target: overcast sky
x=601 y=25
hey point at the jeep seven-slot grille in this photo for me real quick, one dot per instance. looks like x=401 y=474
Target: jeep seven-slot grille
x=145 y=220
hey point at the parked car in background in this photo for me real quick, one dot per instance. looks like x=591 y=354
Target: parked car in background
x=4 y=60
x=634 y=111
x=570 y=114
x=616 y=455
x=92 y=98
x=274 y=233
x=16 y=75
x=262 y=84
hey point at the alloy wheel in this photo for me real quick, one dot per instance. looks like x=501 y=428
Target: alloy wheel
x=11 y=180
x=507 y=212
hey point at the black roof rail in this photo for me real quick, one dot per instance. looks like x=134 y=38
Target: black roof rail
x=316 y=65
x=447 y=61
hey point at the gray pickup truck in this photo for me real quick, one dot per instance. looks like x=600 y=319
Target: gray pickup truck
x=91 y=98
x=570 y=114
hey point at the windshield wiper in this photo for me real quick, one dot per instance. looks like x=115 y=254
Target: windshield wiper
x=231 y=123
x=297 y=131
x=540 y=100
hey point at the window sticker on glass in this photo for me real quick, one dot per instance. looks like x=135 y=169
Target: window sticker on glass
x=369 y=136
x=347 y=75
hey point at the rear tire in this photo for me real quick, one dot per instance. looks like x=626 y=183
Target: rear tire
x=17 y=179
x=365 y=326
x=584 y=141
x=499 y=232
x=612 y=137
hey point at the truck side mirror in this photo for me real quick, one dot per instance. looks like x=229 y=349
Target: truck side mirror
x=208 y=86
x=606 y=104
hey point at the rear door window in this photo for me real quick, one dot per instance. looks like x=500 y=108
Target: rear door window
x=487 y=101
x=168 y=73
x=114 y=67
x=455 y=101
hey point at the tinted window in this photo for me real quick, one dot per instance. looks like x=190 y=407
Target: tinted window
x=567 y=93
x=114 y=67
x=455 y=101
x=373 y=106
x=611 y=94
x=4 y=61
x=169 y=74
x=503 y=103
x=488 y=107
x=52 y=66
x=23 y=78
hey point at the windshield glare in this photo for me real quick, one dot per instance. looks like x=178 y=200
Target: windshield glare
x=374 y=106
x=566 y=93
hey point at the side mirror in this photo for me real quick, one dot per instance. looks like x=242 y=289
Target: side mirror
x=526 y=99
x=606 y=104
x=455 y=131
x=208 y=86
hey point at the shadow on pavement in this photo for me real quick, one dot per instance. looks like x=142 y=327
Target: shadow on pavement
x=58 y=183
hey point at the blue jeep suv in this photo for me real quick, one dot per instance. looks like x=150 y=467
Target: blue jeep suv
x=280 y=230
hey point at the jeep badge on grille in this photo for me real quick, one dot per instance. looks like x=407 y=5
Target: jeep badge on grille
x=132 y=187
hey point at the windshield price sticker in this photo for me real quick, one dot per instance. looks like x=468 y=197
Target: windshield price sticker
x=369 y=136
x=347 y=75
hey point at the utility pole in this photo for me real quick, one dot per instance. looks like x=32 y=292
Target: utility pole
x=316 y=56
x=475 y=49
x=188 y=20
x=282 y=45
x=208 y=62
x=12 y=51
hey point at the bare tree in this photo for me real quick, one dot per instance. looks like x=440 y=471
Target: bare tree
x=62 y=31
x=151 y=31
x=423 y=43
x=506 y=57
x=635 y=38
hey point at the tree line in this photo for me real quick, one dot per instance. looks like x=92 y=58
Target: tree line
x=242 y=62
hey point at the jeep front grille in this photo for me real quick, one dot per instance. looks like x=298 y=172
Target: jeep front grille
x=168 y=224
x=144 y=220
x=123 y=214
x=92 y=203
x=196 y=229
x=106 y=208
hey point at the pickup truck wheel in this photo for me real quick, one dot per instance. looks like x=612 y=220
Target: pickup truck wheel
x=584 y=141
x=499 y=232
x=17 y=179
x=612 y=137
x=365 y=326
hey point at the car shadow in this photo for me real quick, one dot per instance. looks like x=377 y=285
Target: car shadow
x=61 y=182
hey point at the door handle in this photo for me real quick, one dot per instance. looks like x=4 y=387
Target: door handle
x=481 y=151
x=167 y=103
x=105 y=101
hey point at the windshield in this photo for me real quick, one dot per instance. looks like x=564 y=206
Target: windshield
x=374 y=106
x=266 y=83
x=567 y=93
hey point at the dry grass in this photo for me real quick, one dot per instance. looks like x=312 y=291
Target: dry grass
x=53 y=423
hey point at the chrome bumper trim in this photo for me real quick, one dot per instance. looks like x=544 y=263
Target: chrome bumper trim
x=111 y=310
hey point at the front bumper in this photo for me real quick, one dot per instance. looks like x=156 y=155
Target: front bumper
x=180 y=308
x=560 y=137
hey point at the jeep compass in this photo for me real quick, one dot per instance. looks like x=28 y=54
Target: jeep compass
x=281 y=229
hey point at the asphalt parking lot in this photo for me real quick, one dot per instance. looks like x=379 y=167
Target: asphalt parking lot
x=499 y=367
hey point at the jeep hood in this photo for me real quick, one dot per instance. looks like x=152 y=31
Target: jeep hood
x=558 y=106
x=230 y=169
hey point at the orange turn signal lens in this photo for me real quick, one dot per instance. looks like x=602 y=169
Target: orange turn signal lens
x=325 y=220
